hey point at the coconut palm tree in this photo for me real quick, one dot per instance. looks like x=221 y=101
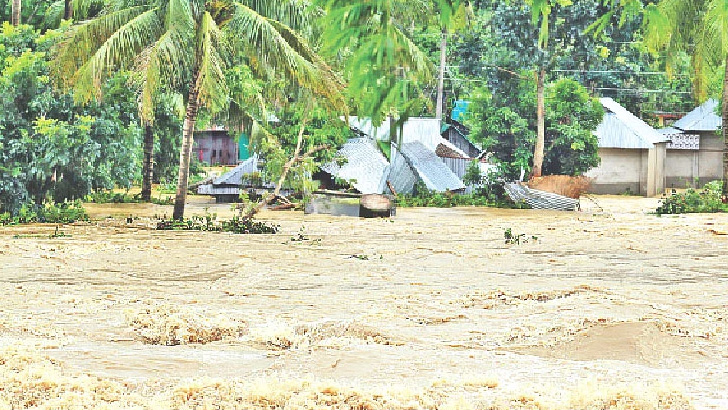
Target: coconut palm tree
x=15 y=13
x=700 y=28
x=188 y=46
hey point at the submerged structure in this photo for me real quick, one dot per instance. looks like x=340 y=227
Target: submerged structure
x=228 y=187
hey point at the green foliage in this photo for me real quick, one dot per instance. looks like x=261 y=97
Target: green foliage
x=472 y=174
x=380 y=61
x=706 y=200
x=50 y=212
x=50 y=148
x=323 y=129
x=210 y=223
x=517 y=239
x=503 y=131
x=504 y=124
x=571 y=118
x=426 y=198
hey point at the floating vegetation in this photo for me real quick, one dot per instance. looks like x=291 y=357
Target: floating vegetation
x=212 y=224
x=517 y=239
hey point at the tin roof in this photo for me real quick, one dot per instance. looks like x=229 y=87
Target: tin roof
x=702 y=118
x=365 y=165
x=235 y=176
x=400 y=175
x=622 y=129
x=668 y=131
x=430 y=169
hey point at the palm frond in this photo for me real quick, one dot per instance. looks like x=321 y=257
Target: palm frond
x=166 y=63
x=83 y=40
x=117 y=52
x=278 y=46
x=211 y=82
x=293 y=13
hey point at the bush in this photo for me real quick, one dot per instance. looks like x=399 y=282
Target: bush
x=210 y=223
x=432 y=199
x=705 y=200
x=50 y=212
x=108 y=197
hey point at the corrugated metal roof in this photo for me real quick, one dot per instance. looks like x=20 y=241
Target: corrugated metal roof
x=400 y=175
x=702 y=118
x=365 y=165
x=537 y=199
x=430 y=169
x=622 y=129
x=667 y=131
x=235 y=176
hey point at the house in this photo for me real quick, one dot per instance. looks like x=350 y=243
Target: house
x=365 y=166
x=416 y=159
x=227 y=188
x=457 y=134
x=695 y=153
x=215 y=146
x=424 y=156
x=633 y=154
x=428 y=132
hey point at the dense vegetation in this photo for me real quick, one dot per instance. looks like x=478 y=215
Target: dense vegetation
x=102 y=94
x=707 y=199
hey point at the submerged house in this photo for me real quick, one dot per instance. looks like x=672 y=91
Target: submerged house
x=216 y=146
x=458 y=135
x=633 y=154
x=416 y=159
x=695 y=150
x=227 y=187
x=365 y=167
x=423 y=156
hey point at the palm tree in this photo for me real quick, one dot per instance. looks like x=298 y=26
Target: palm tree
x=699 y=27
x=375 y=51
x=15 y=13
x=188 y=46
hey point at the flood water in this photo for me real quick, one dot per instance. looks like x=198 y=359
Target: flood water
x=608 y=308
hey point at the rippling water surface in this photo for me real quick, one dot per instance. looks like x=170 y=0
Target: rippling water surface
x=611 y=308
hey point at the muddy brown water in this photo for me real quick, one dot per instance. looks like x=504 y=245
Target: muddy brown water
x=610 y=307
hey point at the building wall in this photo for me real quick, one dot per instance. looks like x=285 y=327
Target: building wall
x=461 y=142
x=695 y=168
x=215 y=148
x=457 y=165
x=621 y=170
x=710 y=161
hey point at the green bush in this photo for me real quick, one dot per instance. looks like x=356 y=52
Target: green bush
x=425 y=198
x=706 y=200
x=50 y=212
x=108 y=197
x=210 y=223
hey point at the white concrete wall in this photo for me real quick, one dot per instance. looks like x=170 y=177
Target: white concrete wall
x=684 y=167
x=621 y=170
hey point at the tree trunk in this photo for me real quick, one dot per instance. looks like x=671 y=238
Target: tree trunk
x=725 y=132
x=148 y=166
x=185 y=153
x=541 y=132
x=441 y=80
x=284 y=173
x=15 y=17
x=67 y=10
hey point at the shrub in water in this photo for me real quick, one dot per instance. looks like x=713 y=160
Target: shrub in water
x=210 y=223
x=708 y=199
x=50 y=212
